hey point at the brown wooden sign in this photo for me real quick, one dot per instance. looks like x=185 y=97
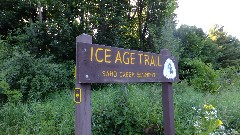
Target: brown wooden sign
x=104 y=64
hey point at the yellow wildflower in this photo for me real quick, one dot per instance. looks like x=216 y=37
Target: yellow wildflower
x=208 y=107
x=219 y=122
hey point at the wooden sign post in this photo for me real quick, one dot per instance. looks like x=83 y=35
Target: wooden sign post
x=105 y=64
x=82 y=96
x=167 y=101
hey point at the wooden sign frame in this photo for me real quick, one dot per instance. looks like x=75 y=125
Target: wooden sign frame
x=105 y=64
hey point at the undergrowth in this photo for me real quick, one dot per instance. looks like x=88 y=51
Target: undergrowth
x=135 y=109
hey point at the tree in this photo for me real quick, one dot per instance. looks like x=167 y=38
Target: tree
x=151 y=23
x=230 y=52
x=191 y=41
x=228 y=46
x=217 y=34
x=49 y=27
x=15 y=14
x=194 y=44
x=167 y=40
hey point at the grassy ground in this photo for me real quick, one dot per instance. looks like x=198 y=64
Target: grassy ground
x=137 y=109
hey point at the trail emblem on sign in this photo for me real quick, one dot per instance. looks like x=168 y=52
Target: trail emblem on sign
x=169 y=70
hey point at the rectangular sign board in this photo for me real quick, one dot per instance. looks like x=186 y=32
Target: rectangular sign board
x=105 y=64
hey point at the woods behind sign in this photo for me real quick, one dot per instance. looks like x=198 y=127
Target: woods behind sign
x=104 y=64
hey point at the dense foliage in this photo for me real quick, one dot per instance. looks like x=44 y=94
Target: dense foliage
x=35 y=77
x=37 y=54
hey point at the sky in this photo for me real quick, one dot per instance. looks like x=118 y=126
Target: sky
x=205 y=13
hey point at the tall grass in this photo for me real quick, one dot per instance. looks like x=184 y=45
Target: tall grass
x=187 y=101
x=137 y=109
x=55 y=116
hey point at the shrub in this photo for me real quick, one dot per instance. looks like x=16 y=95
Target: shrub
x=3 y=87
x=13 y=96
x=229 y=75
x=204 y=76
x=134 y=110
x=35 y=77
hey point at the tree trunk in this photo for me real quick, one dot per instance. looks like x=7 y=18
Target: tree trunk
x=40 y=12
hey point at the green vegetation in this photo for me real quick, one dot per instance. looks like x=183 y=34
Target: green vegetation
x=135 y=110
x=37 y=59
x=55 y=116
